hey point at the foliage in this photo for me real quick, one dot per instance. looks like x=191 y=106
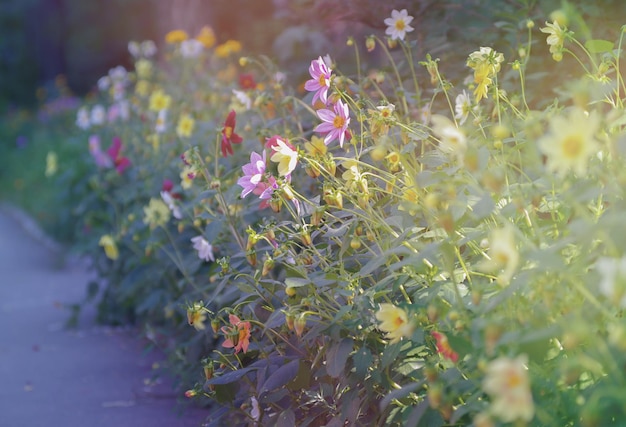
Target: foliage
x=385 y=247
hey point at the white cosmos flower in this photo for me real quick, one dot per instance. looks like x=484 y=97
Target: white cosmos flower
x=398 y=24
x=204 y=248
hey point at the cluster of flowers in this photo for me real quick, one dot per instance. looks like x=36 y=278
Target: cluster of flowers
x=568 y=146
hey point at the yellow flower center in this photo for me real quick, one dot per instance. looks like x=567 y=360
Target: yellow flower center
x=572 y=146
x=338 y=122
x=513 y=381
x=400 y=25
x=398 y=321
x=501 y=258
x=322 y=80
x=228 y=131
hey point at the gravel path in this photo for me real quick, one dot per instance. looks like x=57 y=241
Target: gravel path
x=50 y=376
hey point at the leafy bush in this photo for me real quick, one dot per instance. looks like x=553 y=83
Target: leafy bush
x=392 y=247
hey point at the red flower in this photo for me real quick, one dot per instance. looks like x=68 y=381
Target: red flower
x=228 y=134
x=246 y=81
x=168 y=186
x=443 y=347
x=121 y=163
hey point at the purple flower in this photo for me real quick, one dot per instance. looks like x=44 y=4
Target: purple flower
x=335 y=123
x=252 y=173
x=320 y=80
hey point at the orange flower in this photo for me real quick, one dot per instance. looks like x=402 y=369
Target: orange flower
x=237 y=335
x=206 y=36
x=176 y=36
x=443 y=346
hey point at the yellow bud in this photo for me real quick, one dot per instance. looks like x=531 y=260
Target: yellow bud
x=560 y=17
x=355 y=243
x=243 y=61
x=290 y=291
x=378 y=153
x=530 y=24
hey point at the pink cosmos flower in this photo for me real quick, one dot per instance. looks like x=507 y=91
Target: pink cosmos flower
x=320 y=80
x=101 y=159
x=237 y=335
x=252 y=174
x=335 y=123
x=228 y=134
x=120 y=162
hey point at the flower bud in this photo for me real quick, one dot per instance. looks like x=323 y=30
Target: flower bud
x=268 y=265
x=215 y=325
x=299 y=324
x=289 y=320
x=370 y=43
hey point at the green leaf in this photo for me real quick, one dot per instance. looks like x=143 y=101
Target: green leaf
x=337 y=356
x=281 y=376
x=362 y=361
x=599 y=46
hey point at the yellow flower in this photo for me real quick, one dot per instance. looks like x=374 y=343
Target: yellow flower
x=451 y=139
x=176 y=36
x=142 y=88
x=143 y=67
x=316 y=148
x=185 y=126
x=159 y=100
x=503 y=254
x=156 y=213
x=507 y=383
x=486 y=64
x=206 y=36
x=285 y=155
x=196 y=316
x=110 y=248
x=395 y=322
x=556 y=37
x=227 y=48
x=186 y=177
x=571 y=142
x=51 y=163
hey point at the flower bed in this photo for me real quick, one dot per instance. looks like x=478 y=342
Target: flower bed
x=380 y=249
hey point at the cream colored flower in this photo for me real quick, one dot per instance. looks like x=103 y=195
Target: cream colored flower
x=451 y=139
x=462 y=107
x=395 y=322
x=156 y=213
x=613 y=283
x=503 y=255
x=555 y=39
x=507 y=383
x=571 y=141
x=185 y=126
x=159 y=100
x=110 y=248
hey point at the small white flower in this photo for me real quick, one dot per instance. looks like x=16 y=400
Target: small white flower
x=104 y=83
x=398 y=24
x=462 y=107
x=169 y=201
x=161 y=125
x=255 y=412
x=204 y=248
x=82 y=118
x=148 y=48
x=508 y=385
x=118 y=74
x=134 y=49
x=243 y=98
x=613 y=283
x=191 y=48
x=503 y=254
x=98 y=115
x=451 y=139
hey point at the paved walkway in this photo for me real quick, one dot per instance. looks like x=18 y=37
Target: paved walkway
x=50 y=376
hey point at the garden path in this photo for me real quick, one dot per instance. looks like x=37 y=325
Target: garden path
x=51 y=376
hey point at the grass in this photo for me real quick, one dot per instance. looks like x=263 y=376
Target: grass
x=25 y=141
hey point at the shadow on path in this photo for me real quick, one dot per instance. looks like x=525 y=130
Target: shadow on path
x=50 y=376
